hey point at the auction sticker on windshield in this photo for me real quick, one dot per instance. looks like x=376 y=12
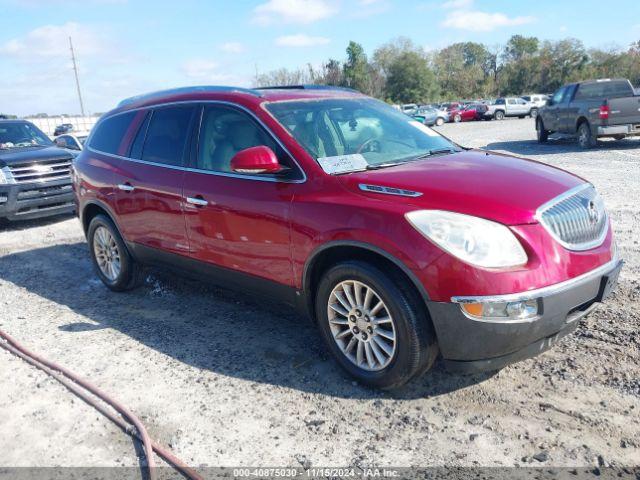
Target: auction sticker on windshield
x=343 y=163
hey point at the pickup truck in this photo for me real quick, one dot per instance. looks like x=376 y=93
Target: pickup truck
x=590 y=110
x=509 y=107
x=35 y=178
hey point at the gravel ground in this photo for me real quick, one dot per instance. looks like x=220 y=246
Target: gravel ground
x=225 y=380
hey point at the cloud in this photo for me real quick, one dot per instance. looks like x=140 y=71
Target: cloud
x=457 y=4
x=475 y=21
x=52 y=41
x=293 y=11
x=232 y=47
x=301 y=40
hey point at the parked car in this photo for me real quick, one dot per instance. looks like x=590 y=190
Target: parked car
x=71 y=142
x=431 y=116
x=469 y=112
x=398 y=243
x=537 y=101
x=509 y=107
x=592 y=109
x=62 y=129
x=34 y=173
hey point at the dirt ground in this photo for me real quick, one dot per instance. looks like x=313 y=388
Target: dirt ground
x=226 y=380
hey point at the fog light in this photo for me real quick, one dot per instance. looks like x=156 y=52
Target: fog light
x=522 y=310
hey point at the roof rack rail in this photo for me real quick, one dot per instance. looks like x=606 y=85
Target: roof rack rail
x=185 y=90
x=307 y=87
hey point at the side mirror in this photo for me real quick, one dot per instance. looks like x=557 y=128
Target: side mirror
x=60 y=142
x=256 y=160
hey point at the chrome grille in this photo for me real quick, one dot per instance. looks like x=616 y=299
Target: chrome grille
x=577 y=219
x=41 y=171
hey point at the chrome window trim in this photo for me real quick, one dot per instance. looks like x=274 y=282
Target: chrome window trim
x=563 y=196
x=198 y=170
x=544 y=291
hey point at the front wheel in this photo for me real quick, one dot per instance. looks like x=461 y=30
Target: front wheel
x=374 y=324
x=533 y=113
x=499 y=115
x=439 y=121
x=541 y=133
x=457 y=119
x=111 y=259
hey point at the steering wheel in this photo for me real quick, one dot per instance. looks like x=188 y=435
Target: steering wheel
x=378 y=147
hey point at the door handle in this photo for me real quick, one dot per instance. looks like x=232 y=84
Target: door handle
x=126 y=187
x=197 y=201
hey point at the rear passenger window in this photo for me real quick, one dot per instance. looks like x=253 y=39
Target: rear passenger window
x=110 y=132
x=138 y=142
x=167 y=134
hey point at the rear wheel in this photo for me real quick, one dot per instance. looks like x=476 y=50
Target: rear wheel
x=499 y=115
x=585 y=136
x=541 y=133
x=374 y=325
x=111 y=259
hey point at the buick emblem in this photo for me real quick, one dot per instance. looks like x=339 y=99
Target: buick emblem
x=42 y=169
x=594 y=215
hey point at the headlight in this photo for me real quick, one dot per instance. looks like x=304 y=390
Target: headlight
x=3 y=177
x=473 y=240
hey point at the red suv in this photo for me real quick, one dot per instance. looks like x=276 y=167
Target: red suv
x=398 y=243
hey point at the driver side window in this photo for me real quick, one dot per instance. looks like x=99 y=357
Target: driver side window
x=224 y=132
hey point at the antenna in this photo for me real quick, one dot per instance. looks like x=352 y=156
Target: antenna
x=75 y=70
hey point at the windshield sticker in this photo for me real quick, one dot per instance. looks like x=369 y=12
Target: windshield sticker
x=343 y=163
x=423 y=128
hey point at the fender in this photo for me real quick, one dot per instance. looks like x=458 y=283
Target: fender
x=308 y=267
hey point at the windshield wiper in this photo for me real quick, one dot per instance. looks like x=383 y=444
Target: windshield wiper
x=376 y=166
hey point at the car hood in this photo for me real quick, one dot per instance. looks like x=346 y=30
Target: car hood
x=490 y=185
x=19 y=155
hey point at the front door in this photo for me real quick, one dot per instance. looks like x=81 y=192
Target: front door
x=149 y=183
x=239 y=222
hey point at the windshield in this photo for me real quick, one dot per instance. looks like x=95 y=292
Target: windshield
x=20 y=135
x=357 y=133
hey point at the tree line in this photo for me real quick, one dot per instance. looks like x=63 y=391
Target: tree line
x=402 y=72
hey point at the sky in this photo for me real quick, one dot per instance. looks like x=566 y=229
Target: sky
x=128 y=47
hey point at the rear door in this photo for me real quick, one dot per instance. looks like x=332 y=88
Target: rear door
x=239 y=222
x=149 y=180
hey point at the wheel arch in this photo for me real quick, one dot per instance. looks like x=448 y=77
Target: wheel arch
x=96 y=207
x=334 y=252
x=582 y=119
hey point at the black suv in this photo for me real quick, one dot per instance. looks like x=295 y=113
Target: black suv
x=35 y=176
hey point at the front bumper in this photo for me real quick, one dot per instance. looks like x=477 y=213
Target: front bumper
x=473 y=345
x=26 y=201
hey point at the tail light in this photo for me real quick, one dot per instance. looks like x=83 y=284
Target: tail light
x=604 y=112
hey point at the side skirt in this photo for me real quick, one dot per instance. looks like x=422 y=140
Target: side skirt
x=215 y=275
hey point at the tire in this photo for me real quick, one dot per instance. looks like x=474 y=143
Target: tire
x=617 y=138
x=414 y=348
x=521 y=116
x=457 y=118
x=586 y=139
x=541 y=133
x=533 y=113
x=499 y=115
x=439 y=121
x=105 y=241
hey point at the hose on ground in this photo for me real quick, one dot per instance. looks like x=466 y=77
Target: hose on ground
x=73 y=382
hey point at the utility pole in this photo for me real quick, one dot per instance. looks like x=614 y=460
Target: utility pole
x=75 y=70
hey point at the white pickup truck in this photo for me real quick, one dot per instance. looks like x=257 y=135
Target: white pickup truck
x=509 y=107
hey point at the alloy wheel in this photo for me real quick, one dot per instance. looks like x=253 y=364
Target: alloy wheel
x=107 y=253
x=362 y=325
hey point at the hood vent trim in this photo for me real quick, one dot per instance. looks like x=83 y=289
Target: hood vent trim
x=389 y=190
